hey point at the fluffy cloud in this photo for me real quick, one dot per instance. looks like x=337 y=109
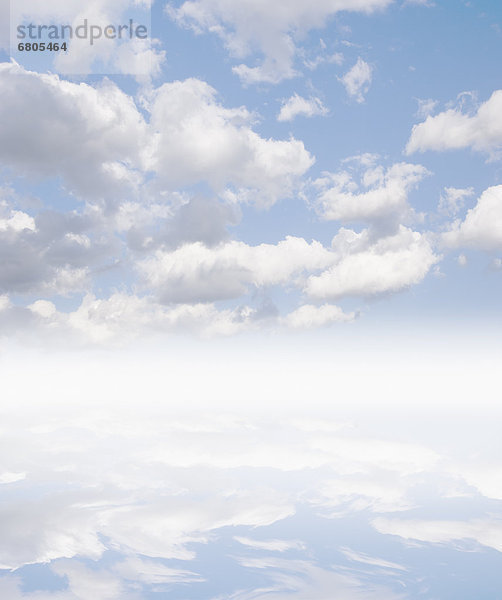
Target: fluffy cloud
x=50 y=253
x=182 y=283
x=247 y=26
x=121 y=318
x=197 y=139
x=453 y=129
x=97 y=140
x=74 y=131
x=195 y=219
x=308 y=316
x=391 y=264
x=298 y=106
x=196 y=272
x=482 y=226
x=357 y=81
x=379 y=195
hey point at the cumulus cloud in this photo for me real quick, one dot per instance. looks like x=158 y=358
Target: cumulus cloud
x=482 y=226
x=196 y=139
x=127 y=168
x=228 y=270
x=183 y=220
x=454 y=129
x=50 y=253
x=75 y=131
x=391 y=264
x=247 y=26
x=298 y=106
x=376 y=195
x=122 y=318
x=98 y=141
x=182 y=284
x=357 y=80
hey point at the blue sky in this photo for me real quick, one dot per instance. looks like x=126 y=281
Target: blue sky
x=250 y=287
x=353 y=81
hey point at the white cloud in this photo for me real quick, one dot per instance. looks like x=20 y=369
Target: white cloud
x=11 y=477
x=90 y=583
x=421 y=2
x=45 y=529
x=180 y=285
x=16 y=220
x=485 y=476
x=453 y=129
x=147 y=571
x=97 y=140
x=482 y=226
x=371 y=560
x=391 y=264
x=164 y=528
x=50 y=252
x=247 y=26
x=298 y=106
x=197 y=139
x=123 y=317
x=357 y=81
x=379 y=195
x=352 y=493
x=487 y=532
x=271 y=545
x=309 y=316
x=73 y=131
x=196 y=272
x=452 y=200
x=323 y=58
x=130 y=465
x=426 y=107
x=119 y=319
x=303 y=580
x=35 y=263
